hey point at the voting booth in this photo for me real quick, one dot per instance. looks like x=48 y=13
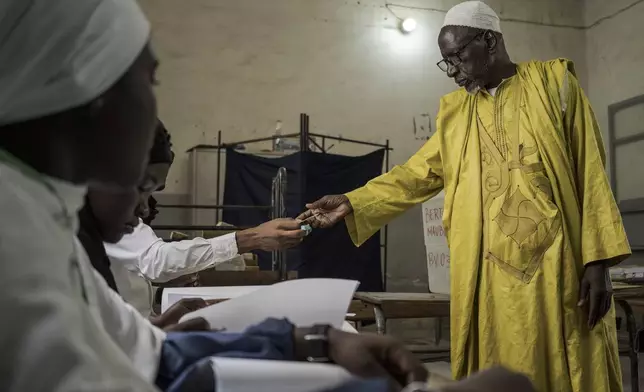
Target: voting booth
x=436 y=248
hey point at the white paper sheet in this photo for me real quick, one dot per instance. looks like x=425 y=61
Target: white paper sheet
x=347 y=327
x=436 y=245
x=171 y=295
x=304 y=302
x=234 y=375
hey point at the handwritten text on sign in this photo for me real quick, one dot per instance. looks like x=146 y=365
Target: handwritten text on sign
x=436 y=245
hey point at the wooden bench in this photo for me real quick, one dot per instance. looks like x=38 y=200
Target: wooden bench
x=409 y=306
x=404 y=306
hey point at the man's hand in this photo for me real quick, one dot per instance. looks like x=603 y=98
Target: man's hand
x=371 y=356
x=169 y=319
x=493 y=380
x=595 y=292
x=273 y=235
x=327 y=211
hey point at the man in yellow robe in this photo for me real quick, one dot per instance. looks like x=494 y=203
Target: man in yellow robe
x=529 y=214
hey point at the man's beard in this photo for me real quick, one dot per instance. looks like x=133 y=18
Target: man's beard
x=474 y=90
x=478 y=83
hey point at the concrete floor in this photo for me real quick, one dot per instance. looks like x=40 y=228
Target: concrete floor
x=422 y=332
x=440 y=373
x=442 y=370
x=626 y=374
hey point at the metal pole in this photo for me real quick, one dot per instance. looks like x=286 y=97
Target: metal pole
x=199 y=228
x=386 y=248
x=306 y=132
x=274 y=256
x=218 y=174
x=282 y=205
x=315 y=143
x=303 y=169
x=261 y=139
x=290 y=135
x=278 y=193
x=342 y=139
x=387 y=155
x=302 y=131
x=303 y=157
x=213 y=207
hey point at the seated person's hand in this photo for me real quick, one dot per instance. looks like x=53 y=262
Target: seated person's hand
x=370 y=356
x=273 y=235
x=196 y=324
x=492 y=380
x=169 y=320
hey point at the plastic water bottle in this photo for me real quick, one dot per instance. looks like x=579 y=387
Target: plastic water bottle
x=277 y=142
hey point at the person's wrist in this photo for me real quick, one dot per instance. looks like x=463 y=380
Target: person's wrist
x=334 y=335
x=597 y=264
x=246 y=240
x=299 y=346
x=347 y=202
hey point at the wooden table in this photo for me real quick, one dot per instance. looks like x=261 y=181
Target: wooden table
x=629 y=297
x=404 y=306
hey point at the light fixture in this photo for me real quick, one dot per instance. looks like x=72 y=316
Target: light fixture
x=408 y=25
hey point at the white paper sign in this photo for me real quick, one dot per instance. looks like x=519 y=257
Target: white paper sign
x=436 y=245
x=304 y=302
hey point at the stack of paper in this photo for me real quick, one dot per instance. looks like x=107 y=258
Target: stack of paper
x=304 y=302
x=237 y=375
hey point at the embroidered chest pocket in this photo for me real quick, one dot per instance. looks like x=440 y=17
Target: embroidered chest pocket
x=521 y=219
x=523 y=225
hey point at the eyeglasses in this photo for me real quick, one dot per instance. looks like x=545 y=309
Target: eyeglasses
x=455 y=59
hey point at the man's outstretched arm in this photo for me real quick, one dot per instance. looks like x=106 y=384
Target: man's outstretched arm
x=162 y=261
x=382 y=199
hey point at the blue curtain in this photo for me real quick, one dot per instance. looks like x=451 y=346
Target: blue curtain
x=325 y=253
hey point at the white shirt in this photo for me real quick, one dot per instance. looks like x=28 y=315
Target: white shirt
x=142 y=257
x=62 y=328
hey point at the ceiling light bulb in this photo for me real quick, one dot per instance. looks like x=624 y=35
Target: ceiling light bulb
x=408 y=25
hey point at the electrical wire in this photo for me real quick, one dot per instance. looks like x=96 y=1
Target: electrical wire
x=531 y=22
x=614 y=14
x=388 y=7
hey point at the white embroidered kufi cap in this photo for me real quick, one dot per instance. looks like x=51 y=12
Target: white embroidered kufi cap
x=474 y=14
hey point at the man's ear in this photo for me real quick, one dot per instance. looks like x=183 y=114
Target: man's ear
x=491 y=40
